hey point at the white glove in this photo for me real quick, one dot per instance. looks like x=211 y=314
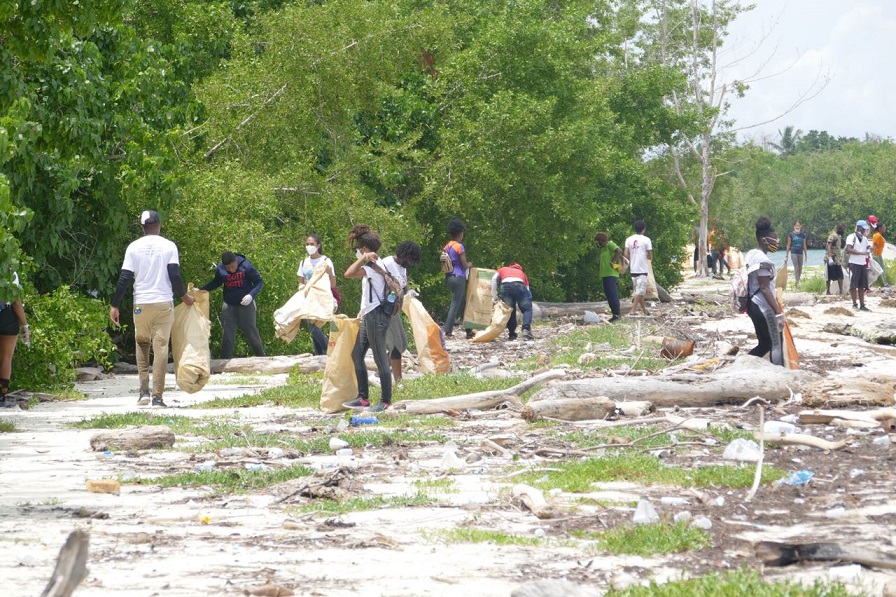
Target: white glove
x=247 y=300
x=779 y=320
x=831 y=261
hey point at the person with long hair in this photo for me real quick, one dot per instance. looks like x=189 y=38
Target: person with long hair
x=763 y=308
x=313 y=247
x=380 y=277
x=12 y=322
x=796 y=247
x=456 y=279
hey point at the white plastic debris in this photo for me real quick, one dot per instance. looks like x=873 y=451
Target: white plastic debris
x=744 y=450
x=450 y=461
x=276 y=453
x=701 y=522
x=591 y=317
x=673 y=501
x=778 y=427
x=337 y=444
x=682 y=516
x=837 y=512
x=883 y=440
x=645 y=513
x=208 y=465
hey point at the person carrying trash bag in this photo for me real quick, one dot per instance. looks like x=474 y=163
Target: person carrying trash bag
x=512 y=286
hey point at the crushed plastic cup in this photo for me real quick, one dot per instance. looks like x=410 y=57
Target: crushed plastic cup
x=208 y=465
x=683 y=516
x=645 y=513
x=778 y=427
x=798 y=478
x=337 y=443
x=837 y=512
x=701 y=522
x=745 y=450
x=450 y=461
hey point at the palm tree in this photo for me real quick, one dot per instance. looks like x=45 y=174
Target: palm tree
x=790 y=141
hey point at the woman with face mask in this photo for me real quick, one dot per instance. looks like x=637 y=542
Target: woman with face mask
x=305 y=271
x=763 y=308
x=375 y=319
x=796 y=245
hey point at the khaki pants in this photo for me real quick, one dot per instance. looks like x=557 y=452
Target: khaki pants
x=153 y=323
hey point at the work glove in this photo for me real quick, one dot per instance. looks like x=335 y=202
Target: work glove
x=779 y=321
x=26 y=335
x=831 y=261
x=247 y=300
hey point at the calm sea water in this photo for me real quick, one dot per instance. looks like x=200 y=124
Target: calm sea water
x=814 y=257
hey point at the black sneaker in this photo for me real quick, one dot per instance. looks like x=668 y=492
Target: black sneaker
x=470 y=334
x=357 y=403
x=527 y=334
x=615 y=318
x=864 y=308
x=159 y=402
x=380 y=407
x=143 y=400
x=512 y=337
x=855 y=306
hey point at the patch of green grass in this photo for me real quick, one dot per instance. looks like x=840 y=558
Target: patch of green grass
x=732 y=584
x=473 y=535
x=320 y=443
x=580 y=475
x=241 y=380
x=367 y=503
x=608 y=343
x=650 y=539
x=207 y=426
x=235 y=480
x=643 y=436
x=301 y=392
x=814 y=284
x=443 y=485
x=7 y=426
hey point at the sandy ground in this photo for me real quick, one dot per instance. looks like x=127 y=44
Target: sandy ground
x=150 y=541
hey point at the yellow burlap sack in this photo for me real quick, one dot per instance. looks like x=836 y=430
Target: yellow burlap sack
x=189 y=342
x=651 y=294
x=340 y=384
x=478 y=311
x=431 y=352
x=314 y=301
x=500 y=316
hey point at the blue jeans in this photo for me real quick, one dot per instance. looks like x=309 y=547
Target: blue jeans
x=318 y=338
x=611 y=291
x=516 y=295
x=372 y=335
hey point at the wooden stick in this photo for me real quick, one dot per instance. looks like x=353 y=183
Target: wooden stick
x=798 y=439
x=758 y=476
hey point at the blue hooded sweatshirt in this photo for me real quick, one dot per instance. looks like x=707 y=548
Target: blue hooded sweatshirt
x=245 y=280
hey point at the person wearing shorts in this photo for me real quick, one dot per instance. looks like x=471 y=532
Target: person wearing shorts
x=857 y=249
x=638 y=251
x=12 y=322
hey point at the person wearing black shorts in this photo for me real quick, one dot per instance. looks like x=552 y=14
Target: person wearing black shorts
x=12 y=321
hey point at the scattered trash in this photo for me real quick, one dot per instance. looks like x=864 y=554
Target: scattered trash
x=645 y=513
x=683 y=516
x=450 y=460
x=539 y=532
x=337 y=444
x=206 y=466
x=344 y=452
x=342 y=425
x=356 y=421
x=255 y=466
x=720 y=501
x=230 y=452
x=591 y=317
x=791 y=419
x=554 y=491
x=674 y=501
x=778 y=427
x=103 y=486
x=745 y=450
x=798 y=478
x=837 y=512
x=856 y=472
x=701 y=522
x=661 y=453
x=883 y=440
x=276 y=453
x=673 y=348
x=205 y=519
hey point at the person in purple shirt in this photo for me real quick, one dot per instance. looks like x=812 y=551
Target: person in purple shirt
x=456 y=279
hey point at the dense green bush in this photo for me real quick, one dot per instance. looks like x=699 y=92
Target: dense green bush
x=67 y=330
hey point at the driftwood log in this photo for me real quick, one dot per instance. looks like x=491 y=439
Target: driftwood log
x=556 y=310
x=71 y=566
x=834 y=393
x=877 y=332
x=479 y=400
x=745 y=378
x=569 y=409
x=141 y=438
x=772 y=553
x=279 y=364
x=825 y=417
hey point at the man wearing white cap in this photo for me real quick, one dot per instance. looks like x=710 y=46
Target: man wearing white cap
x=857 y=247
x=152 y=261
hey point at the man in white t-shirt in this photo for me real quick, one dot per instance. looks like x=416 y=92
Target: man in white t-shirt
x=638 y=251
x=153 y=263
x=858 y=248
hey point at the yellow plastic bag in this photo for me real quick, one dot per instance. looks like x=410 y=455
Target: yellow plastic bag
x=431 y=352
x=478 y=311
x=314 y=301
x=500 y=316
x=340 y=384
x=651 y=293
x=189 y=342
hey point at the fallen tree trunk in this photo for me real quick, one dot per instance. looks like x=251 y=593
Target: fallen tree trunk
x=798 y=439
x=832 y=393
x=278 y=364
x=824 y=417
x=479 y=400
x=745 y=378
x=575 y=409
x=772 y=553
x=141 y=438
x=880 y=332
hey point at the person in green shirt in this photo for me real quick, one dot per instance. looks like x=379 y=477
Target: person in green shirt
x=610 y=259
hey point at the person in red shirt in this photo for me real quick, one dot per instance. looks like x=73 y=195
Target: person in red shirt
x=512 y=285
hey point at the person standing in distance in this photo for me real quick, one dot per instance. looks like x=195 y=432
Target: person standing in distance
x=242 y=283
x=12 y=320
x=638 y=251
x=305 y=271
x=796 y=244
x=857 y=249
x=878 y=243
x=153 y=263
x=832 y=259
x=456 y=279
x=610 y=260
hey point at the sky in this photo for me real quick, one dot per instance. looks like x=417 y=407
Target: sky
x=797 y=45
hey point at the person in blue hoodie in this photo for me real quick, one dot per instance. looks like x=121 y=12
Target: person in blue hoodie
x=242 y=283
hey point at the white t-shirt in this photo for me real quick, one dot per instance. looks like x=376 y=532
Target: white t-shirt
x=860 y=244
x=306 y=268
x=758 y=265
x=638 y=245
x=373 y=288
x=149 y=257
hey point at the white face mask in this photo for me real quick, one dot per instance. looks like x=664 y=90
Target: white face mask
x=358 y=253
x=311 y=249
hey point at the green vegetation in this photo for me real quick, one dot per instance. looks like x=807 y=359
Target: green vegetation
x=7 y=426
x=474 y=535
x=643 y=436
x=234 y=480
x=418 y=499
x=611 y=344
x=733 y=584
x=650 y=539
x=443 y=485
x=579 y=476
